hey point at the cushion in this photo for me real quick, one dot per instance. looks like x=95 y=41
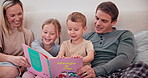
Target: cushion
x=142 y=46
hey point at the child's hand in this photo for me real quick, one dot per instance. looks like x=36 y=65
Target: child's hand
x=60 y=56
x=76 y=56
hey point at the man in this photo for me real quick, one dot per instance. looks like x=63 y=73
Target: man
x=114 y=49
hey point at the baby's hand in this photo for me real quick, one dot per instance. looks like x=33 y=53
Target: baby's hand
x=76 y=56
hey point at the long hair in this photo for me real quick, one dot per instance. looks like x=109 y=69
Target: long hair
x=57 y=25
x=4 y=21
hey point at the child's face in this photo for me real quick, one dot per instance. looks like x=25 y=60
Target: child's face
x=75 y=30
x=49 y=34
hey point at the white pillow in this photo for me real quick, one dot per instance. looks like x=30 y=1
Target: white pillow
x=142 y=46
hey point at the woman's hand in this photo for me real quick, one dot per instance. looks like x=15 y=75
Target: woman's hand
x=86 y=72
x=19 y=61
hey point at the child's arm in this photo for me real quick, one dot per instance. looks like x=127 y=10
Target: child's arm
x=89 y=57
x=60 y=54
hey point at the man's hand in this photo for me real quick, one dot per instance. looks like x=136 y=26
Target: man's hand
x=86 y=72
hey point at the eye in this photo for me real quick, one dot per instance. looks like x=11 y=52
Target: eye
x=20 y=13
x=12 y=15
x=76 y=29
x=104 y=21
x=45 y=32
x=52 y=33
x=69 y=29
x=96 y=18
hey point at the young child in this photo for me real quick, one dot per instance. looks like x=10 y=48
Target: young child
x=77 y=46
x=51 y=30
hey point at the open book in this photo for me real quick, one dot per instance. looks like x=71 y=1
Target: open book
x=52 y=67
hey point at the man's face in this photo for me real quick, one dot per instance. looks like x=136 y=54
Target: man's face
x=103 y=22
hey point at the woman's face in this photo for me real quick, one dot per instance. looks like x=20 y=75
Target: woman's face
x=14 y=15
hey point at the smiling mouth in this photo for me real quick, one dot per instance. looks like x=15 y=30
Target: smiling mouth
x=47 y=40
x=73 y=36
x=98 y=29
x=17 y=23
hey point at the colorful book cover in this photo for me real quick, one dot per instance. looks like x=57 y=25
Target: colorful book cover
x=46 y=67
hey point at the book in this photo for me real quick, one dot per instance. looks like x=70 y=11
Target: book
x=51 y=67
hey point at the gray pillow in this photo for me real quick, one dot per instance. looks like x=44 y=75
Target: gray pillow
x=142 y=46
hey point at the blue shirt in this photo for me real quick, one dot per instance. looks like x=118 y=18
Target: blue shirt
x=38 y=45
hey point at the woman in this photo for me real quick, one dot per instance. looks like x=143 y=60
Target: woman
x=12 y=35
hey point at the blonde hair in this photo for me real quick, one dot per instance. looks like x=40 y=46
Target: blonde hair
x=57 y=25
x=4 y=21
x=77 y=17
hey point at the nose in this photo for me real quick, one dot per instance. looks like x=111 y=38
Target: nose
x=17 y=17
x=72 y=32
x=48 y=35
x=98 y=22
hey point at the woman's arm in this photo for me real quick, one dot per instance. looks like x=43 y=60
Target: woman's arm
x=17 y=60
x=4 y=57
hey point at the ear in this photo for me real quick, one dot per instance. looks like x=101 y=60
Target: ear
x=84 y=28
x=114 y=22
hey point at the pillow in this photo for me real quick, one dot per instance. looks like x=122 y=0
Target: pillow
x=142 y=46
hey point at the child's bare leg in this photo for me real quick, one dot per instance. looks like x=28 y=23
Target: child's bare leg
x=38 y=77
x=28 y=75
